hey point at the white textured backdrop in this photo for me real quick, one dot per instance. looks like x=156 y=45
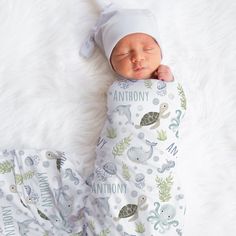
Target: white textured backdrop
x=52 y=98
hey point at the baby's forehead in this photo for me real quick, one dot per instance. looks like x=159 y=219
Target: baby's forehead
x=136 y=38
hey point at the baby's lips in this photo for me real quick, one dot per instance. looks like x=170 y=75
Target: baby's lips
x=138 y=67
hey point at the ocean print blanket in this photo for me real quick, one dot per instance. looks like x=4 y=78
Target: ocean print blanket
x=40 y=193
x=135 y=182
x=134 y=188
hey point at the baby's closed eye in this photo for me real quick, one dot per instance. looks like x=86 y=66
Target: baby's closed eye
x=122 y=54
x=148 y=49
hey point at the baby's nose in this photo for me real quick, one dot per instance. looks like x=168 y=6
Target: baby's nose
x=137 y=57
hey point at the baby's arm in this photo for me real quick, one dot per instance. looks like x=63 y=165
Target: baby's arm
x=163 y=72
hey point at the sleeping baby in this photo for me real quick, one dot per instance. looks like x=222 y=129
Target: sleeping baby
x=134 y=186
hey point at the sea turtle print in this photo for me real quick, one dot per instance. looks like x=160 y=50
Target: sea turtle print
x=154 y=117
x=132 y=209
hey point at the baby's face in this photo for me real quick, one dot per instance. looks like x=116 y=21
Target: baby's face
x=136 y=56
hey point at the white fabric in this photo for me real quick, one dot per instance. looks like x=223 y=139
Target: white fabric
x=50 y=97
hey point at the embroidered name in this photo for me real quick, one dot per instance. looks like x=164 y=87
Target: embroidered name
x=8 y=221
x=105 y=188
x=101 y=142
x=132 y=96
x=172 y=149
x=45 y=190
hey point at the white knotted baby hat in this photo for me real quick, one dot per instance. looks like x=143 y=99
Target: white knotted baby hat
x=113 y=24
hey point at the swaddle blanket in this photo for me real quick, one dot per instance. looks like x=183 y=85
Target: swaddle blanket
x=135 y=186
x=41 y=194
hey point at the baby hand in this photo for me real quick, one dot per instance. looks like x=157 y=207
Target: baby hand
x=164 y=73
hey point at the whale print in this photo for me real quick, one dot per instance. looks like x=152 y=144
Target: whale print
x=139 y=155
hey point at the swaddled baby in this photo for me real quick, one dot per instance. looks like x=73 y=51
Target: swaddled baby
x=135 y=188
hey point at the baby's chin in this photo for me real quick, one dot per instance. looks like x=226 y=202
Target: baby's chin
x=138 y=76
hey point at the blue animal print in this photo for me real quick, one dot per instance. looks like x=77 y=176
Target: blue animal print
x=32 y=160
x=167 y=166
x=71 y=175
x=32 y=196
x=175 y=123
x=108 y=170
x=124 y=84
x=121 y=110
x=138 y=155
x=161 y=88
x=163 y=217
x=140 y=180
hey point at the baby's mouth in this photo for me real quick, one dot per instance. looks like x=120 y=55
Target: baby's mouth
x=138 y=68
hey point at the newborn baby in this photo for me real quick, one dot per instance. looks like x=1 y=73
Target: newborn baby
x=134 y=186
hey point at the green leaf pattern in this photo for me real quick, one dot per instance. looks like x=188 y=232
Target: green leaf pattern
x=111 y=133
x=139 y=227
x=6 y=167
x=148 y=83
x=91 y=225
x=104 y=232
x=164 y=185
x=182 y=97
x=162 y=136
x=125 y=171
x=20 y=178
x=120 y=147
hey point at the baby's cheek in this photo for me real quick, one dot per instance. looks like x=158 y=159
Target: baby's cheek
x=125 y=69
